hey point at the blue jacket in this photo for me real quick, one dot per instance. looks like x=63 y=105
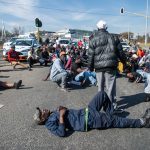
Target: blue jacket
x=74 y=120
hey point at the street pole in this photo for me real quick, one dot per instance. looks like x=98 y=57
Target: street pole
x=128 y=33
x=38 y=34
x=146 y=25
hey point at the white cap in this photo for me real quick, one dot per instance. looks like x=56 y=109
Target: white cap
x=134 y=56
x=101 y=24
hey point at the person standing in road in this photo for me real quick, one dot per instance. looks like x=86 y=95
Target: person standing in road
x=104 y=52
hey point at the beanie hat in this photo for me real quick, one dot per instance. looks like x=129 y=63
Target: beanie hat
x=101 y=24
x=36 y=116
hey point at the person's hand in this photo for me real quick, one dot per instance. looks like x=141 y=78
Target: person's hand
x=44 y=79
x=62 y=110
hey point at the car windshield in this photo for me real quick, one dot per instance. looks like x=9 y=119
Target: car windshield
x=24 y=43
x=13 y=40
x=64 y=42
x=124 y=43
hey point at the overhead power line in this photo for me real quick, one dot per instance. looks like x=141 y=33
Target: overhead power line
x=63 y=10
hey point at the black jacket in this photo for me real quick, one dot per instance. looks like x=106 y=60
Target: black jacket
x=104 y=52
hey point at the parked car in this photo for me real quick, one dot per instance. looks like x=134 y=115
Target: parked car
x=64 y=42
x=125 y=46
x=22 y=46
x=7 y=45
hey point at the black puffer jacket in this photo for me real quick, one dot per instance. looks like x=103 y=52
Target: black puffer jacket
x=104 y=52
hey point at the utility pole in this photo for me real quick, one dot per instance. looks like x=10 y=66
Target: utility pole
x=146 y=25
x=128 y=33
x=122 y=11
x=3 y=31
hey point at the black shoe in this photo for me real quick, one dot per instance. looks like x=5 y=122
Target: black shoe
x=29 y=69
x=146 y=122
x=147 y=99
x=18 y=84
x=118 y=111
x=146 y=118
x=147 y=113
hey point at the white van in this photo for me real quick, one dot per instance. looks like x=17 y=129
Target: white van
x=22 y=46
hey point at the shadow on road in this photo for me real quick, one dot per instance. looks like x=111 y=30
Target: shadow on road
x=22 y=87
x=7 y=70
x=131 y=100
x=4 y=76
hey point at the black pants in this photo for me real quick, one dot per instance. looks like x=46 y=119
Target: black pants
x=31 y=61
x=106 y=119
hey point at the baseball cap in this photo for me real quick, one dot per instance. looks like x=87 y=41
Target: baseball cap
x=12 y=46
x=101 y=24
x=62 y=53
x=134 y=56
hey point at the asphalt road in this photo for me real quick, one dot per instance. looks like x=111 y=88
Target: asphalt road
x=18 y=131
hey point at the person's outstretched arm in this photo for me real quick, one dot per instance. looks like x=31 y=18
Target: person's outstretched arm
x=46 y=77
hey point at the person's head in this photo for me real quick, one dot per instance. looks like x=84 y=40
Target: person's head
x=41 y=116
x=32 y=49
x=63 y=56
x=12 y=47
x=101 y=25
x=130 y=77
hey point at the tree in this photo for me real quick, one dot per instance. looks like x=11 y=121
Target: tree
x=17 y=30
x=125 y=34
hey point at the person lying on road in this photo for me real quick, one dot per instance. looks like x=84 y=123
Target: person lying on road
x=7 y=85
x=64 y=119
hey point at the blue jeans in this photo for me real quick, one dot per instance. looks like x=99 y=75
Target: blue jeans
x=99 y=119
x=61 y=77
x=86 y=75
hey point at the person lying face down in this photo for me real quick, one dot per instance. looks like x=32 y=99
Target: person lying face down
x=63 y=119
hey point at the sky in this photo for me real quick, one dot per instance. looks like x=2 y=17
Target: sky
x=75 y=14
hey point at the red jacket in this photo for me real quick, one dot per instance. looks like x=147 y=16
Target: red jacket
x=13 y=55
x=140 y=53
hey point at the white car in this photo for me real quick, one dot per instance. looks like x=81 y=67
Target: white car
x=64 y=42
x=7 y=45
x=22 y=46
x=125 y=46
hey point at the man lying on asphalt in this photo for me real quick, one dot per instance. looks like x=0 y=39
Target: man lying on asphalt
x=9 y=85
x=87 y=118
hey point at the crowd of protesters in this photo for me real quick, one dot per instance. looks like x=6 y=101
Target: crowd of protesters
x=138 y=68
x=96 y=66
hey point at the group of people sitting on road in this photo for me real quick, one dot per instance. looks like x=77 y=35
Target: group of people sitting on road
x=138 y=68
x=69 y=64
x=104 y=52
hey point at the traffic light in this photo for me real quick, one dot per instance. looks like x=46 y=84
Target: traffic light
x=38 y=23
x=122 y=10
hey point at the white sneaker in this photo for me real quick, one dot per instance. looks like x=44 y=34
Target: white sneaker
x=64 y=89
